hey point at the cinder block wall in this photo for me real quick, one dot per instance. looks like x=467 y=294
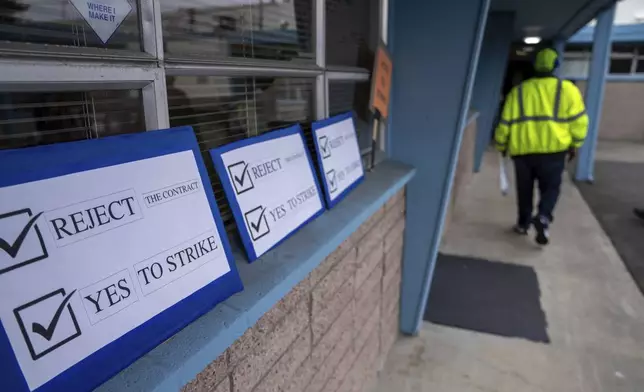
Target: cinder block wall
x=622 y=117
x=333 y=331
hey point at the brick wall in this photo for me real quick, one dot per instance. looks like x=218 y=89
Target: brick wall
x=332 y=332
x=622 y=118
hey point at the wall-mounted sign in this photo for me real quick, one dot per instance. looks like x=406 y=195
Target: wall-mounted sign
x=339 y=157
x=107 y=248
x=103 y=16
x=381 y=82
x=271 y=187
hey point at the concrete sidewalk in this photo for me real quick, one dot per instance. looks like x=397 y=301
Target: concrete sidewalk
x=594 y=311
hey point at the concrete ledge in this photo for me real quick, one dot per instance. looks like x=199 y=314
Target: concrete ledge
x=178 y=360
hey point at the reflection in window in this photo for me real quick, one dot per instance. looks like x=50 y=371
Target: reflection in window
x=58 y=22
x=35 y=118
x=353 y=96
x=640 y=66
x=224 y=109
x=575 y=67
x=351 y=32
x=577 y=48
x=620 y=66
x=623 y=48
x=257 y=29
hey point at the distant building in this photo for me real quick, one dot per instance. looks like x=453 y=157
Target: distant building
x=622 y=118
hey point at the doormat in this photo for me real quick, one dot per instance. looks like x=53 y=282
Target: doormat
x=487 y=296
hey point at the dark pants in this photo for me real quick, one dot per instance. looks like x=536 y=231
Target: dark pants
x=546 y=169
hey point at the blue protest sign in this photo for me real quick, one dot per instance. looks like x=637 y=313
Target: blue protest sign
x=107 y=248
x=271 y=187
x=338 y=156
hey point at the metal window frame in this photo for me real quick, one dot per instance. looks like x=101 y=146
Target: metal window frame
x=321 y=81
x=27 y=75
x=344 y=73
x=634 y=61
x=151 y=29
x=25 y=68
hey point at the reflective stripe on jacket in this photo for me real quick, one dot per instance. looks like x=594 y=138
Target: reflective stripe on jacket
x=541 y=116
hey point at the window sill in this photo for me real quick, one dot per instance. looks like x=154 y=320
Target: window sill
x=178 y=360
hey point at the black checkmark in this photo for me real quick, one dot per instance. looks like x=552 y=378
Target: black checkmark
x=240 y=181
x=48 y=332
x=12 y=249
x=324 y=146
x=259 y=221
x=330 y=175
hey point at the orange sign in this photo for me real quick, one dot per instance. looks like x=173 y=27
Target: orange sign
x=381 y=83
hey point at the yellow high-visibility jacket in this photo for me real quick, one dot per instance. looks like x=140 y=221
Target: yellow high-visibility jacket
x=542 y=115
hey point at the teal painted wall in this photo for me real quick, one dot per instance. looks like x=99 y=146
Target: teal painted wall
x=489 y=77
x=435 y=49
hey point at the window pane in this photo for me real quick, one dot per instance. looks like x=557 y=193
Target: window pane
x=578 y=48
x=58 y=22
x=351 y=32
x=254 y=29
x=574 y=68
x=640 y=66
x=353 y=96
x=35 y=118
x=620 y=66
x=225 y=109
x=623 y=48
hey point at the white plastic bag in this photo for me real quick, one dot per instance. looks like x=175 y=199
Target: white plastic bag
x=503 y=176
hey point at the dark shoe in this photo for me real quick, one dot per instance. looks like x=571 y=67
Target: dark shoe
x=521 y=230
x=639 y=212
x=541 y=224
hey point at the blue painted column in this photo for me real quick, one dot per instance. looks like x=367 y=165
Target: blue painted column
x=594 y=96
x=435 y=56
x=493 y=61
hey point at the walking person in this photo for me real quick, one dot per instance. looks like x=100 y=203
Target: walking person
x=543 y=121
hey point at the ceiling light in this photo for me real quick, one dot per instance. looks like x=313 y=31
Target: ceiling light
x=532 y=40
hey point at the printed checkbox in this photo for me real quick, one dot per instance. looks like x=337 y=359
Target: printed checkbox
x=240 y=177
x=257 y=223
x=325 y=148
x=47 y=323
x=21 y=241
x=332 y=180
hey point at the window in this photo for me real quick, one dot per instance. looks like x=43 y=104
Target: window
x=640 y=66
x=626 y=59
x=577 y=48
x=35 y=118
x=576 y=61
x=223 y=109
x=575 y=67
x=352 y=32
x=620 y=66
x=231 y=69
x=353 y=96
x=59 y=23
x=622 y=48
x=262 y=29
